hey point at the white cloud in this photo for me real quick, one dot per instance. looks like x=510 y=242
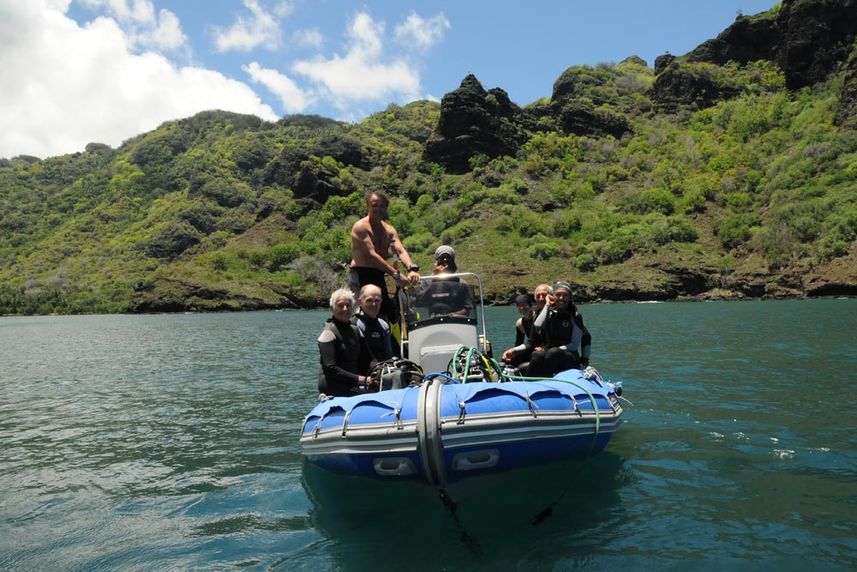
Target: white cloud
x=262 y=29
x=422 y=33
x=283 y=9
x=308 y=39
x=143 y=28
x=360 y=74
x=64 y=86
x=292 y=97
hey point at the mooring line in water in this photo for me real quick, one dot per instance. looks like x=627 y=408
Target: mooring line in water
x=466 y=538
x=548 y=510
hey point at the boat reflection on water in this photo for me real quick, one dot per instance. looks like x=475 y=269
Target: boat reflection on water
x=485 y=513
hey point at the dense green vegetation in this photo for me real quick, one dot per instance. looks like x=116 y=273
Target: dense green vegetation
x=226 y=211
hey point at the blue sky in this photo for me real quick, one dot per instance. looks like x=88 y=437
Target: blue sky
x=80 y=71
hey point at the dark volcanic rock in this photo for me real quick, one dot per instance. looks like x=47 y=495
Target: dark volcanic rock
x=846 y=113
x=688 y=85
x=746 y=40
x=817 y=36
x=314 y=185
x=808 y=39
x=662 y=62
x=573 y=83
x=583 y=119
x=290 y=168
x=574 y=114
x=476 y=122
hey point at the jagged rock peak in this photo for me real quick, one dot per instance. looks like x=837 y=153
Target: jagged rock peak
x=475 y=122
x=662 y=62
x=471 y=83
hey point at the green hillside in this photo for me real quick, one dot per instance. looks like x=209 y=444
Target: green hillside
x=754 y=194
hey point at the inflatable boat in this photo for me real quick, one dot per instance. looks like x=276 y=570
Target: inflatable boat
x=448 y=411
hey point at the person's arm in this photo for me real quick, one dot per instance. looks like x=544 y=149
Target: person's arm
x=412 y=276
x=539 y=322
x=519 y=332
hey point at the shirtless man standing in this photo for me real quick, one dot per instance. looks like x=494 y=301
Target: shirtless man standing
x=372 y=238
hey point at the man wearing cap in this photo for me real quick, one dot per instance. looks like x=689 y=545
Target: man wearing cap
x=372 y=239
x=443 y=295
x=519 y=355
x=565 y=339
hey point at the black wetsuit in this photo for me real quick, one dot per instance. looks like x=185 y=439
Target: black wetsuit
x=377 y=339
x=561 y=334
x=339 y=348
x=523 y=329
x=523 y=333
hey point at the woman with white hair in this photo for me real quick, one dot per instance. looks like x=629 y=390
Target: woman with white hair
x=339 y=348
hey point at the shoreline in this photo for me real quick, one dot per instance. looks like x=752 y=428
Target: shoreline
x=493 y=304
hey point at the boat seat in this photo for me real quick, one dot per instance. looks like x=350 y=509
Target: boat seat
x=437 y=358
x=433 y=346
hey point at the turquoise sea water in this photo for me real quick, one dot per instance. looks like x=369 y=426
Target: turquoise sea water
x=171 y=442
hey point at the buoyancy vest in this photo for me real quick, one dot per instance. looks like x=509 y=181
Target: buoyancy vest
x=376 y=334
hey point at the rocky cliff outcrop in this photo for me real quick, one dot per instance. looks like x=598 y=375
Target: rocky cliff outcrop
x=473 y=122
x=808 y=39
x=583 y=119
x=846 y=113
x=662 y=62
x=574 y=113
x=689 y=85
x=748 y=39
x=817 y=37
x=294 y=169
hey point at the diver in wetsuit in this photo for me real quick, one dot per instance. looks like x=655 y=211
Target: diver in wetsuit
x=374 y=331
x=519 y=355
x=561 y=332
x=340 y=349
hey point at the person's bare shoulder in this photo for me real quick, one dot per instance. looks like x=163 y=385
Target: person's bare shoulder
x=361 y=227
x=389 y=229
